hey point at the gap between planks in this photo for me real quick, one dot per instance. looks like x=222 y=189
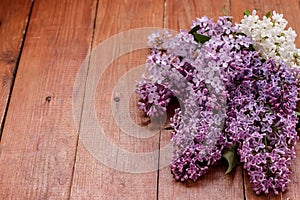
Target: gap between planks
x=79 y=126
x=15 y=68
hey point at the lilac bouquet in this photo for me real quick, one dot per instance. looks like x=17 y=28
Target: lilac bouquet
x=237 y=87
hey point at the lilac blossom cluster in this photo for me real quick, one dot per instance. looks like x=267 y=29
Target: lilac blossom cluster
x=260 y=120
x=230 y=97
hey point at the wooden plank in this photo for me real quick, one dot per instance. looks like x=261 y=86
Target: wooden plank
x=13 y=20
x=103 y=172
x=179 y=15
x=39 y=138
x=215 y=184
x=290 y=10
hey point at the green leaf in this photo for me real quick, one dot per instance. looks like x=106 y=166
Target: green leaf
x=297 y=113
x=247 y=12
x=268 y=15
x=224 y=10
x=251 y=47
x=239 y=33
x=194 y=30
x=231 y=158
x=200 y=38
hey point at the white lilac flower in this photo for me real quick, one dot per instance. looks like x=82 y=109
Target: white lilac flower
x=271 y=37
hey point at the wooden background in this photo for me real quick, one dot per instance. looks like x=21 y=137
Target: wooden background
x=42 y=46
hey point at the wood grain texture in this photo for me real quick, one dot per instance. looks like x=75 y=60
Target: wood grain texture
x=39 y=139
x=41 y=154
x=92 y=178
x=215 y=184
x=290 y=10
x=13 y=19
x=179 y=15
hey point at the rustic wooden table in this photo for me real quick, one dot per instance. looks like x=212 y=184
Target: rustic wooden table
x=42 y=47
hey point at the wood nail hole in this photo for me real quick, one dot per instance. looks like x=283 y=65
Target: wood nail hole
x=117 y=99
x=48 y=98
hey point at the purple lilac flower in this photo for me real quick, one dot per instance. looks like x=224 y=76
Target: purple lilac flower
x=154 y=98
x=262 y=122
x=229 y=97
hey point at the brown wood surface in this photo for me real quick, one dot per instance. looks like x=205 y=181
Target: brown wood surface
x=13 y=20
x=92 y=179
x=39 y=138
x=50 y=150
